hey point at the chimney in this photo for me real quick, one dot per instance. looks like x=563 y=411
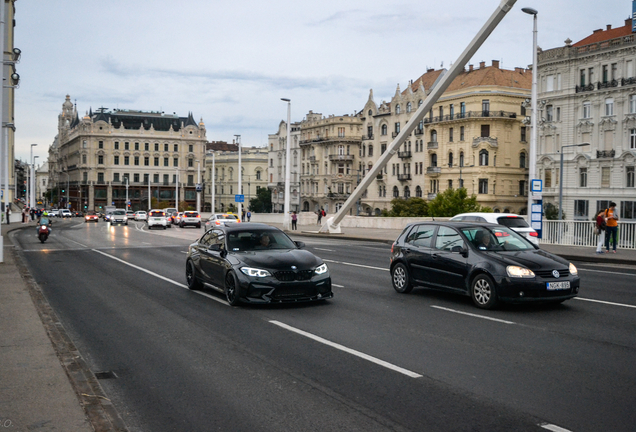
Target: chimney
x=482 y=65
x=609 y=27
x=520 y=70
x=430 y=70
x=596 y=31
x=470 y=68
x=495 y=64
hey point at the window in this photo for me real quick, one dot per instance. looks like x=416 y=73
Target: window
x=628 y=210
x=397 y=127
x=136 y=160
x=483 y=186
x=558 y=114
x=485 y=107
x=156 y=146
x=146 y=178
x=632 y=104
x=483 y=157
x=83 y=158
x=100 y=177
x=450 y=184
x=441 y=113
x=605 y=72
x=547 y=180
x=146 y=160
x=176 y=147
x=418 y=192
x=523 y=188
x=632 y=138
x=582 y=77
x=146 y=146
x=461 y=133
x=155 y=178
x=451 y=111
x=396 y=192
x=126 y=146
x=583 y=177
x=630 y=176
x=549 y=83
x=100 y=144
x=100 y=159
x=369 y=131
x=136 y=178
x=166 y=162
x=137 y=146
x=166 y=179
x=605 y=176
x=116 y=177
x=190 y=180
x=190 y=148
x=165 y=147
x=462 y=109
x=587 y=110
x=522 y=160
x=581 y=209
x=156 y=161
x=126 y=160
x=384 y=129
x=549 y=113
x=407 y=192
x=461 y=159
x=450 y=159
x=397 y=109
x=485 y=131
x=523 y=134
x=434 y=186
x=116 y=160
x=609 y=107
x=433 y=135
x=370 y=150
x=434 y=160
x=116 y=145
x=408 y=107
x=629 y=66
x=258 y=175
x=190 y=162
x=450 y=134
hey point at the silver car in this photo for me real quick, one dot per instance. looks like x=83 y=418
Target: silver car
x=220 y=219
x=510 y=220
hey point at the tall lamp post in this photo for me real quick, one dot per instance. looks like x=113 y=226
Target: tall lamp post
x=561 y=175
x=198 y=186
x=33 y=181
x=286 y=215
x=240 y=175
x=29 y=197
x=533 y=109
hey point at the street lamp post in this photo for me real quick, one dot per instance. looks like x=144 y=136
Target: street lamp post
x=286 y=215
x=176 y=194
x=198 y=186
x=213 y=190
x=28 y=197
x=240 y=175
x=33 y=199
x=126 y=178
x=561 y=175
x=533 y=109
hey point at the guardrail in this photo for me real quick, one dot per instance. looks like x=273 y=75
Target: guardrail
x=583 y=233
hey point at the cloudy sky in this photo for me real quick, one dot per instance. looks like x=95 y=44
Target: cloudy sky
x=230 y=62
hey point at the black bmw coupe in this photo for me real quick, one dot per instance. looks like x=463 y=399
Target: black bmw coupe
x=256 y=263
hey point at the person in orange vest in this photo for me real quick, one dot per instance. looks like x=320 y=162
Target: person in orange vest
x=611 y=215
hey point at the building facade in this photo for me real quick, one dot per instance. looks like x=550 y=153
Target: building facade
x=473 y=137
x=587 y=95
x=276 y=144
x=9 y=60
x=222 y=159
x=103 y=158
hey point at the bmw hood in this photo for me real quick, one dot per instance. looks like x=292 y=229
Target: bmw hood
x=531 y=259
x=279 y=259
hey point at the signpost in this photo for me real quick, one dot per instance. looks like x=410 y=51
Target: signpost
x=536 y=211
x=239 y=198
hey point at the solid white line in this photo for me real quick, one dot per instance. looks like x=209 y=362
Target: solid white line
x=473 y=315
x=160 y=277
x=328 y=250
x=605 y=302
x=553 y=428
x=339 y=286
x=605 y=271
x=356 y=265
x=348 y=350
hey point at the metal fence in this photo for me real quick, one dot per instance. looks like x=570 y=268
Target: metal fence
x=583 y=233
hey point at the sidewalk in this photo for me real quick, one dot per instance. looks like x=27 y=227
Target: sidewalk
x=44 y=383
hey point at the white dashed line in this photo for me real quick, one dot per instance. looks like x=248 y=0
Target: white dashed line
x=553 y=428
x=473 y=315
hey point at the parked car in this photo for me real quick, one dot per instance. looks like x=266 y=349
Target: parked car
x=140 y=215
x=219 y=219
x=91 y=216
x=490 y=263
x=190 y=218
x=118 y=217
x=256 y=263
x=157 y=218
x=511 y=220
x=65 y=213
x=130 y=214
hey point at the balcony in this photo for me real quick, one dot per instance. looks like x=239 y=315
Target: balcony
x=404 y=177
x=340 y=157
x=432 y=145
x=404 y=154
x=312 y=158
x=584 y=88
x=472 y=114
x=379 y=177
x=607 y=84
x=367 y=137
x=605 y=154
x=433 y=171
x=627 y=81
x=418 y=131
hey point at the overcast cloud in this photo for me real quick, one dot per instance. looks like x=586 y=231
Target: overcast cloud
x=229 y=63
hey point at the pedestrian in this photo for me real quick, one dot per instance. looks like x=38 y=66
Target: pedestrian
x=611 y=217
x=8 y=214
x=600 y=231
x=294 y=219
x=320 y=212
x=24 y=212
x=249 y=215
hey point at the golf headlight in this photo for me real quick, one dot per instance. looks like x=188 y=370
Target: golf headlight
x=321 y=269
x=519 y=272
x=573 y=269
x=255 y=272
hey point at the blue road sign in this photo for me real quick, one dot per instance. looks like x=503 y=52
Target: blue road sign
x=239 y=198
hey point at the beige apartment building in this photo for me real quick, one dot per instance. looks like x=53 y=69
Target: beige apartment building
x=277 y=145
x=10 y=56
x=474 y=137
x=103 y=157
x=222 y=159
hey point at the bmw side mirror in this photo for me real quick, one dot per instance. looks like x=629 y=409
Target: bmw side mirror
x=300 y=244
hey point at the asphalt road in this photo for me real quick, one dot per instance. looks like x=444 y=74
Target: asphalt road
x=368 y=360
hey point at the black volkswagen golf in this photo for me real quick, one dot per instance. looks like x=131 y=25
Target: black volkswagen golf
x=488 y=262
x=257 y=263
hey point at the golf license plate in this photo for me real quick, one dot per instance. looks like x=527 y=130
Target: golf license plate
x=553 y=286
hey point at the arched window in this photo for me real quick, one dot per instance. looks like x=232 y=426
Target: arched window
x=450 y=159
x=370 y=113
x=384 y=129
x=433 y=135
x=397 y=109
x=461 y=159
x=408 y=107
x=407 y=192
x=396 y=192
x=434 y=160
x=420 y=102
x=483 y=157
x=370 y=150
x=522 y=160
x=418 y=192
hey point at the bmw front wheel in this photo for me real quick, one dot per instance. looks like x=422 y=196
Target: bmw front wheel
x=191 y=276
x=232 y=292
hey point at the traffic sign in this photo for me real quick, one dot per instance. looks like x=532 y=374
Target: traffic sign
x=239 y=198
x=536 y=185
x=199 y=187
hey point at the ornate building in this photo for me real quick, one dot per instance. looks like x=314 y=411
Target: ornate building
x=276 y=167
x=224 y=157
x=101 y=158
x=473 y=137
x=587 y=94
x=10 y=57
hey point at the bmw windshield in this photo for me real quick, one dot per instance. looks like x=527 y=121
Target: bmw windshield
x=253 y=240
x=496 y=239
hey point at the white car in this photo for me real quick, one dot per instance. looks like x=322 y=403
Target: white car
x=513 y=221
x=141 y=215
x=118 y=217
x=221 y=219
x=65 y=213
x=157 y=218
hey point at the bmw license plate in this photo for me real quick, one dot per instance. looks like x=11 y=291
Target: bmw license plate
x=553 y=286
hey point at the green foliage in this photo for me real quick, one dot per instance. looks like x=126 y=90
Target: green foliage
x=411 y=207
x=263 y=201
x=454 y=201
x=551 y=212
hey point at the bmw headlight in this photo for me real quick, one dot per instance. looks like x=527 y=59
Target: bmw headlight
x=255 y=272
x=519 y=272
x=321 y=269
x=573 y=270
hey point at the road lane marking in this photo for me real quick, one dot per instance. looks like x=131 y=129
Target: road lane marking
x=338 y=286
x=161 y=277
x=605 y=302
x=356 y=265
x=327 y=250
x=348 y=350
x=605 y=271
x=553 y=428
x=473 y=315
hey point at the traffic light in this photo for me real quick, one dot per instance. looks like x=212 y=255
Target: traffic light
x=62 y=190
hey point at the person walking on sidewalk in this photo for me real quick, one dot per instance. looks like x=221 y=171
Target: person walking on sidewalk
x=294 y=219
x=321 y=213
x=600 y=231
x=611 y=216
x=8 y=214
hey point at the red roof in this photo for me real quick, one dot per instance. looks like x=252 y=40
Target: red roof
x=601 y=35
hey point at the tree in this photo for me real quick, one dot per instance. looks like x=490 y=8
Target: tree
x=454 y=201
x=410 y=207
x=551 y=212
x=263 y=201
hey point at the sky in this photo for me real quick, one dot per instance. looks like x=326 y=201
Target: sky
x=230 y=63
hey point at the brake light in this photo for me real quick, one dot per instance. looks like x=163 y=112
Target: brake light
x=501 y=234
x=217 y=222
x=534 y=234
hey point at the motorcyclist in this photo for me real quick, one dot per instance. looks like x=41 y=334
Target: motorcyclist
x=44 y=220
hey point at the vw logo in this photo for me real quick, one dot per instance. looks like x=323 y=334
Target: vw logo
x=294 y=268
x=555 y=273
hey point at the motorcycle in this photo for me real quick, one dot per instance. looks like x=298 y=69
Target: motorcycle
x=43 y=233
